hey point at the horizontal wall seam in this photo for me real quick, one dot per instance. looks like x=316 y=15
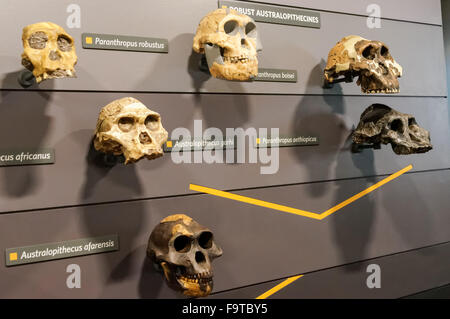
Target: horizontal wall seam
x=220 y=93
x=339 y=266
x=426 y=290
x=345 y=13
x=200 y=194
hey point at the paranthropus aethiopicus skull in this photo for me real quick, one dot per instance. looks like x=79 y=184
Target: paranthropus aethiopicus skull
x=128 y=127
x=230 y=42
x=48 y=51
x=184 y=251
x=381 y=124
x=371 y=61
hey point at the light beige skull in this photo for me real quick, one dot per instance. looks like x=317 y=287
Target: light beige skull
x=370 y=60
x=49 y=52
x=128 y=127
x=230 y=42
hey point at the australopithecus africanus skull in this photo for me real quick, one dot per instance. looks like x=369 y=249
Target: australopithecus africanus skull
x=370 y=61
x=48 y=51
x=184 y=251
x=128 y=127
x=381 y=124
x=230 y=43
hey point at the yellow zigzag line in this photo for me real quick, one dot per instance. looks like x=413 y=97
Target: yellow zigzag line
x=296 y=211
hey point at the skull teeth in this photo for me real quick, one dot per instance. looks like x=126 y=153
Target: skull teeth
x=386 y=91
x=196 y=278
x=237 y=59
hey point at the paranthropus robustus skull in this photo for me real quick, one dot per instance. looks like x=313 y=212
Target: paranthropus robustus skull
x=381 y=124
x=230 y=42
x=370 y=60
x=48 y=51
x=184 y=251
x=128 y=127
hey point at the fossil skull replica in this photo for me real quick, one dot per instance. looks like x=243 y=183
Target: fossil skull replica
x=184 y=250
x=128 y=127
x=230 y=43
x=370 y=60
x=381 y=124
x=49 y=52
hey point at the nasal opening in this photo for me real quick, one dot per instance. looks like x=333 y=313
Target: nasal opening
x=199 y=257
x=144 y=138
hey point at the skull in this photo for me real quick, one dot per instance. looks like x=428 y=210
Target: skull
x=128 y=127
x=49 y=52
x=230 y=42
x=381 y=124
x=184 y=250
x=370 y=60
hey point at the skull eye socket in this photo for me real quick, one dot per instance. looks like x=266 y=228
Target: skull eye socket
x=369 y=52
x=38 y=40
x=250 y=30
x=126 y=124
x=384 y=51
x=182 y=244
x=152 y=122
x=205 y=240
x=412 y=121
x=64 y=43
x=231 y=27
x=396 y=125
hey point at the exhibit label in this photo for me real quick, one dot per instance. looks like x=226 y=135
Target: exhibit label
x=275 y=14
x=124 y=43
x=276 y=75
x=198 y=145
x=27 y=157
x=284 y=141
x=51 y=251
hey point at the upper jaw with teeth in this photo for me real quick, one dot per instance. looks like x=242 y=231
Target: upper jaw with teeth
x=387 y=91
x=236 y=59
x=196 y=278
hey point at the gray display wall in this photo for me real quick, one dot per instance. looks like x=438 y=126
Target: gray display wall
x=403 y=226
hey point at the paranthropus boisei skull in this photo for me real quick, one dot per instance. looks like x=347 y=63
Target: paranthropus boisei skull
x=230 y=43
x=184 y=251
x=381 y=124
x=128 y=127
x=371 y=61
x=48 y=51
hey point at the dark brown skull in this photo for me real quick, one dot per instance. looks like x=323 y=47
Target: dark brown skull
x=184 y=250
x=381 y=124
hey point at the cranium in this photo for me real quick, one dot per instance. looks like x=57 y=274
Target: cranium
x=184 y=250
x=230 y=42
x=49 y=52
x=370 y=60
x=128 y=127
x=381 y=124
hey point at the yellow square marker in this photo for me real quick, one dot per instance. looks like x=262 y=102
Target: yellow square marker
x=88 y=40
x=224 y=7
x=169 y=144
x=12 y=256
x=258 y=141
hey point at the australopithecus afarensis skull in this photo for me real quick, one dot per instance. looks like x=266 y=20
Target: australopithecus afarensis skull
x=370 y=61
x=48 y=51
x=230 y=43
x=381 y=124
x=184 y=250
x=128 y=127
